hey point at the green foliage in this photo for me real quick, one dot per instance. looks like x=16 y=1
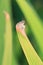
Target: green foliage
x=30 y=53
x=34 y=22
x=11 y=40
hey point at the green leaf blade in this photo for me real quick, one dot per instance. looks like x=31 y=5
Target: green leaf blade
x=30 y=53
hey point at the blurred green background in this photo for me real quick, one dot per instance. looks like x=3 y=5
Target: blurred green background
x=17 y=16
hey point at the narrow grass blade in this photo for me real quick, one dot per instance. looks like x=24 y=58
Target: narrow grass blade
x=34 y=21
x=31 y=55
x=7 y=56
x=4 y=5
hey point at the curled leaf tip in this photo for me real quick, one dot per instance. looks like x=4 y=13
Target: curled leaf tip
x=20 y=27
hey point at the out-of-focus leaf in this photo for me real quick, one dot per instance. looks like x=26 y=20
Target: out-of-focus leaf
x=4 y=5
x=7 y=56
